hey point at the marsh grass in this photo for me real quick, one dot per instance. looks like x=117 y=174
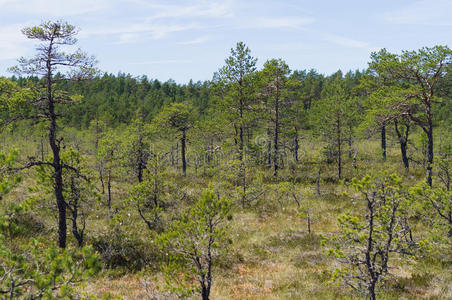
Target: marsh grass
x=272 y=256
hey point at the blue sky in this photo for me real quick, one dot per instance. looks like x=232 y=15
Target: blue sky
x=190 y=39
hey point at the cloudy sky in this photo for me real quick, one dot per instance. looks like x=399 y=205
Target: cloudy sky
x=191 y=38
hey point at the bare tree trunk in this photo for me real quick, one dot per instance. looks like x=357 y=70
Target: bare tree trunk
x=141 y=157
x=109 y=190
x=205 y=292
x=96 y=142
x=339 y=147
x=371 y=291
x=430 y=151
x=296 y=146
x=350 y=142
x=55 y=146
x=101 y=176
x=177 y=155
x=403 y=140
x=74 y=207
x=243 y=177
x=140 y=171
x=61 y=204
x=383 y=141
x=269 y=150
x=184 y=162
x=172 y=155
x=241 y=132
x=317 y=181
x=276 y=141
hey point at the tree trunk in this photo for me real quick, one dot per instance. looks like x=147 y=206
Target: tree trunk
x=350 y=142
x=339 y=149
x=177 y=155
x=109 y=190
x=141 y=159
x=172 y=155
x=383 y=141
x=317 y=181
x=61 y=204
x=450 y=227
x=96 y=142
x=184 y=162
x=269 y=150
x=241 y=132
x=276 y=141
x=140 y=172
x=371 y=291
x=430 y=152
x=205 y=293
x=296 y=146
x=101 y=177
x=403 y=140
x=75 y=207
x=58 y=168
x=243 y=181
x=403 y=147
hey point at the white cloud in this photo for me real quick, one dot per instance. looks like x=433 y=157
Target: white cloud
x=56 y=8
x=134 y=33
x=196 y=41
x=13 y=44
x=283 y=22
x=423 y=12
x=162 y=62
x=345 y=42
x=189 y=9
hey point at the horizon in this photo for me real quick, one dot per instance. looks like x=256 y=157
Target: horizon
x=189 y=40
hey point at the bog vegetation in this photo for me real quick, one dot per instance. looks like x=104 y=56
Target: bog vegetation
x=265 y=183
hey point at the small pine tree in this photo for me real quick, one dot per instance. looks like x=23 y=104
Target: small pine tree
x=366 y=242
x=195 y=241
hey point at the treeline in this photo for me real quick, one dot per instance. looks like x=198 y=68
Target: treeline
x=115 y=99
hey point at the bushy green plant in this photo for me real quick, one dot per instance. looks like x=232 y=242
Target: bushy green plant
x=434 y=206
x=42 y=270
x=193 y=244
x=36 y=269
x=366 y=242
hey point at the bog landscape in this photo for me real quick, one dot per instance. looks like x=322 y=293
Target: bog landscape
x=265 y=182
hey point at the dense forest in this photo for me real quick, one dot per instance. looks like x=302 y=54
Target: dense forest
x=267 y=183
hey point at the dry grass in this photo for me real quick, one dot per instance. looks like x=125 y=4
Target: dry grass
x=272 y=255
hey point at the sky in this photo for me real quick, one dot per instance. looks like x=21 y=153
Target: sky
x=190 y=39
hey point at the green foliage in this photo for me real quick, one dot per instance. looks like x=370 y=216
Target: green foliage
x=239 y=182
x=37 y=269
x=366 y=243
x=120 y=135
x=335 y=117
x=8 y=179
x=434 y=206
x=194 y=242
x=336 y=111
x=177 y=117
x=40 y=270
x=152 y=195
x=236 y=79
x=119 y=250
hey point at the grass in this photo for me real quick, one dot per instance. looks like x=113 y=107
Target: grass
x=272 y=255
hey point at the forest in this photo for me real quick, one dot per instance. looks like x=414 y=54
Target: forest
x=261 y=183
